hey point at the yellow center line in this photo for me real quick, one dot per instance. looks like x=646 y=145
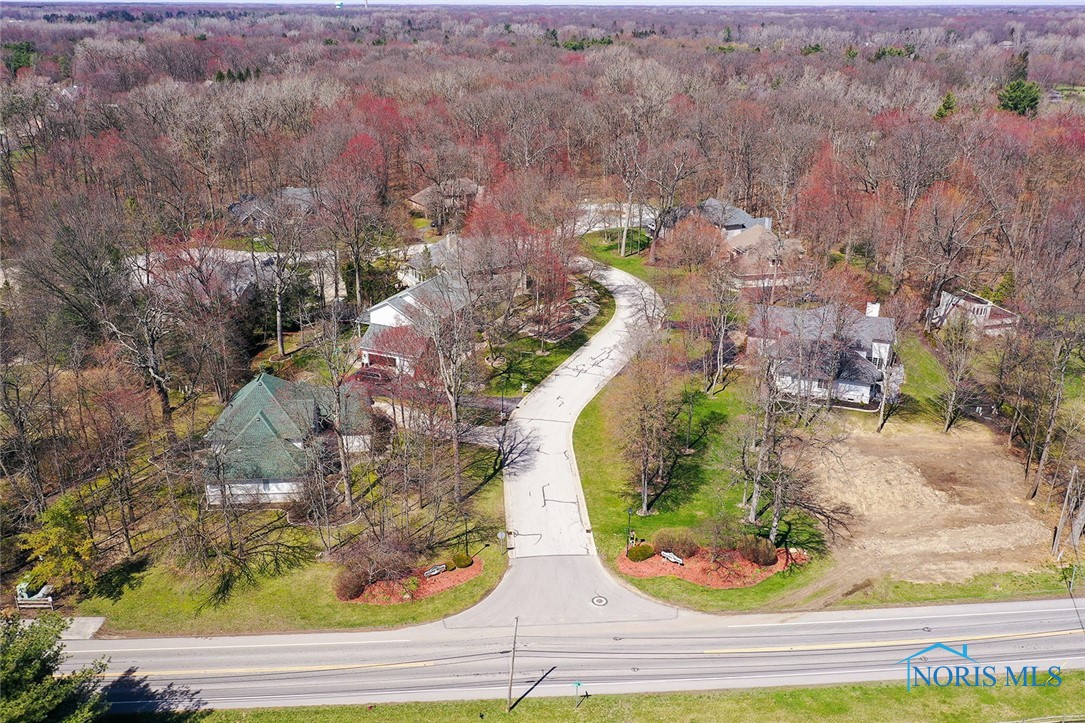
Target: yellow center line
x=887 y=643
x=293 y=669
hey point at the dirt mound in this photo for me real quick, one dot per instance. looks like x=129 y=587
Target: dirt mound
x=931 y=507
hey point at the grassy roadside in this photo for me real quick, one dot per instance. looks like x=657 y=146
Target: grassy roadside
x=859 y=702
x=1045 y=583
x=691 y=502
x=527 y=368
x=603 y=246
x=161 y=603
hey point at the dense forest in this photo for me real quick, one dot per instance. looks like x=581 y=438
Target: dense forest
x=929 y=149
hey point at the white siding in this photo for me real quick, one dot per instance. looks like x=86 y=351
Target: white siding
x=843 y=391
x=386 y=315
x=854 y=393
x=879 y=353
x=254 y=491
x=356 y=443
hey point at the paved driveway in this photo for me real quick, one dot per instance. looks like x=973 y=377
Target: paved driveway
x=544 y=501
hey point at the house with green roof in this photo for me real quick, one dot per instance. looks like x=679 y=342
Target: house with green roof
x=266 y=440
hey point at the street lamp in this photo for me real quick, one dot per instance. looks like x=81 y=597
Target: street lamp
x=628 y=527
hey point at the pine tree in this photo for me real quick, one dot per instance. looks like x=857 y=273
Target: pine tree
x=949 y=105
x=1020 y=96
x=30 y=657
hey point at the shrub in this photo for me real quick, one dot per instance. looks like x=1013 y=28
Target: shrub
x=350 y=583
x=679 y=541
x=450 y=565
x=641 y=552
x=463 y=560
x=411 y=585
x=718 y=534
x=757 y=550
x=367 y=560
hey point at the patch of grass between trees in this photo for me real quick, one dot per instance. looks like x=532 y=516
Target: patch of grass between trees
x=155 y=601
x=691 y=503
x=525 y=367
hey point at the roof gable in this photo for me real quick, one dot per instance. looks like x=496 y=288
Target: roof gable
x=287 y=412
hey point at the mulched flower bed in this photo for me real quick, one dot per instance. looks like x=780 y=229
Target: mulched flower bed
x=730 y=570
x=393 y=592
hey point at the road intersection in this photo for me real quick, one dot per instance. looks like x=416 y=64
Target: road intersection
x=576 y=621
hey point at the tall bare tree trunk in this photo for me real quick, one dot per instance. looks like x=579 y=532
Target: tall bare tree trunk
x=279 y=341
x=626 y=222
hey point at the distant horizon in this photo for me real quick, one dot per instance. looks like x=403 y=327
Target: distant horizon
x=711 y=4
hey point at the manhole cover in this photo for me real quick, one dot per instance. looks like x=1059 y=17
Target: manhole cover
x=599 y=601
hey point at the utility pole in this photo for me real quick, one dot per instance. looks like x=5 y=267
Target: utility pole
x=512 y=662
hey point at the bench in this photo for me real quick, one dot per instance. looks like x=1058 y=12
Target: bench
x=42 y=599
x=41 y=602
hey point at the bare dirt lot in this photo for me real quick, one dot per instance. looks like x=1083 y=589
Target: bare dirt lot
x=929 y=507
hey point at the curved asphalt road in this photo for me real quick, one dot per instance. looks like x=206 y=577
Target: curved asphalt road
x=576 y=622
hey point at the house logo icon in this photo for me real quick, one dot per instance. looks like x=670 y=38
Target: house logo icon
x=921 y=654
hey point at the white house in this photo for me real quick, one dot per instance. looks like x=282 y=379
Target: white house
x=391 y=340
x=825 y=352
x=986 y=316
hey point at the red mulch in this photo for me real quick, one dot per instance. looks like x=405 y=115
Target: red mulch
x=392 y=592
x=729 y=571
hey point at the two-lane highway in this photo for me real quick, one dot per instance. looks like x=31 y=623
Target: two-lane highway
x=688 y=652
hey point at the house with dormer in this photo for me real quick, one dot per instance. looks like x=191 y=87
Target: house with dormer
x=826 y=352
x=266 y=439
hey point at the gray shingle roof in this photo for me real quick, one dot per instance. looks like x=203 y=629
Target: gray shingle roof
x=443 y=291
x=450 y=191
x=777 y=322
x=825 y=342
x=253 y=209
x=719 y=214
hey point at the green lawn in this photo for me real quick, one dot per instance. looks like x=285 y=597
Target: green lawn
x=695 y=496
x=859 y=702
x=924 y=380
x=524 y=366
x=603 y=246
x=1047 y=582
x=161 y=603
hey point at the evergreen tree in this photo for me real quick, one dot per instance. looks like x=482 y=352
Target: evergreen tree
x=30 y=656
x=949 y=105
x=1020 y=96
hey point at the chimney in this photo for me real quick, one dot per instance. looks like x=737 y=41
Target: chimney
x=873 y=308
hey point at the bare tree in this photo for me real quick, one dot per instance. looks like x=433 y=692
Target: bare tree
x=448 y=319
x=288 y=233
x=647 y=402
x=958 y=342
